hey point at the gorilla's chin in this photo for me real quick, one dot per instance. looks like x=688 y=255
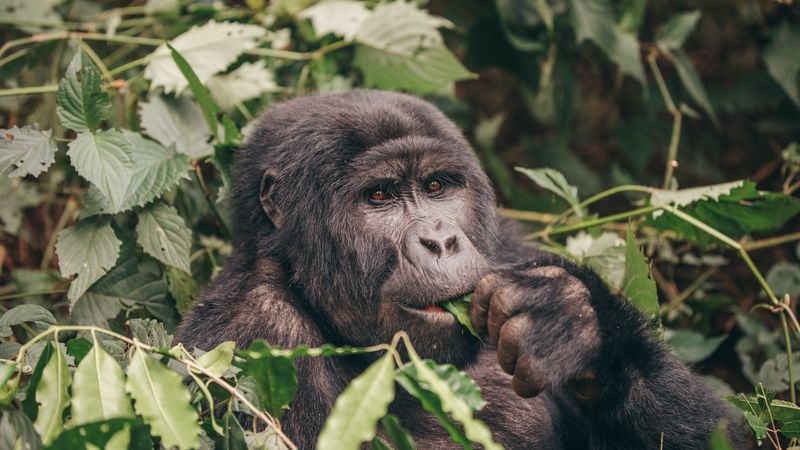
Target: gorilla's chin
x=435 y=335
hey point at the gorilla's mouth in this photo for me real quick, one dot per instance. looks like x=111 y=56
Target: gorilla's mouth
x=438 y=307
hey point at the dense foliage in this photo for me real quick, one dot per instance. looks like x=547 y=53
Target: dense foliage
x=120 y=121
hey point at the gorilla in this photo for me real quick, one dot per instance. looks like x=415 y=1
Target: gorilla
x=359 y=213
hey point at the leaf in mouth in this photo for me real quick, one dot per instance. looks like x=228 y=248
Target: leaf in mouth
x=459 y=307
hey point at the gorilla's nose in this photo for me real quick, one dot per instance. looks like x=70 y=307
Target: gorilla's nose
x=439 y=245
x=438 y=241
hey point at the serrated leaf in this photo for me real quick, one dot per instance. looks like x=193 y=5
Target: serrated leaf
x=155 y=170
x=150 y=332
x=782 y=61
x=690 y=346
x=637 y=285
x=163 y=402
x=774 y=373
x=594 y=20
x=209 y=49
x=114 y=434
x=555 y=182
x=401 y=48
x=106 y=159
x=275 y=376
x=177 y=124
x=218 y=360
x=604 y=254
x=691 y=81
x=401 y=438
x=357 y=410
x=28 y=150
x=52 y=397
x=674 y=33
x=34 y=314
x=250 y=80
x=453 y=403
x=683 y=197
x=98 y=390
x=81 y=104
x=342 y=17
x=163 y=234
x=88 y=249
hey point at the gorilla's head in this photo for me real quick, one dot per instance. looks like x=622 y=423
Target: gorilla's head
x=377 y=209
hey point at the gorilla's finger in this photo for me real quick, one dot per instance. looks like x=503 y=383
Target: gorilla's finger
x=511 y=333
x=481 y=297
x=529 y=379
x=504 y=303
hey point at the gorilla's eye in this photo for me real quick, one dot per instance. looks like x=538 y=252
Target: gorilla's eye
x=378 y=195
x=433 y=186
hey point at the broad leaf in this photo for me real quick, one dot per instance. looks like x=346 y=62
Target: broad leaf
x=637 y=284
x=401 y=438
x=605 y=254
x=250 y=80
x=783 y=278
x=782 y=61
x=690 y=346
x=163 y=234
x=177 y=124
x=683 y=197
x=28 y=150
x=594 y=20
x=554 y=181
x=357 y=410
x=106 y=159
x=218 y=360
x=114 y=434
x=29 y=405
x=163 y=402
x=275 y=376
x=150 y=332
x=209 y=49
x=81 y=104
x=78 y=348
x=401 y=48
x=156 y=169
x=341 y=17
x=691 y=81
x=88 y=249
x=674 y=33
x=52 y=397
x=459 y=381
x=774 y=373
x=40 y=318
x=98 y=391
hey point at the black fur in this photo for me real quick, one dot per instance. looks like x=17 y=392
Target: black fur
x=315 y=261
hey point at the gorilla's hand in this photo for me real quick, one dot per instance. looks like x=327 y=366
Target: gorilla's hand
x=545 y=326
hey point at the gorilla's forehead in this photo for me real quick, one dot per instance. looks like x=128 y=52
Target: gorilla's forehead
x=411 y=157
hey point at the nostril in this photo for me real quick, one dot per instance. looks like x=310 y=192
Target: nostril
x=451 y=244
x=431 y=245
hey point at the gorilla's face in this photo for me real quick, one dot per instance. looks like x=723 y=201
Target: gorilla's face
x=378 y=210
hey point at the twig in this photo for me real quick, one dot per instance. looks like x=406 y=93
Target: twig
x=46 y=89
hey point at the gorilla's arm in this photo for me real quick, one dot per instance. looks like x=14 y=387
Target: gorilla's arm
x=559 y=329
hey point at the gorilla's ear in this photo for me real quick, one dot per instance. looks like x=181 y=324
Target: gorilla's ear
x=267 y=203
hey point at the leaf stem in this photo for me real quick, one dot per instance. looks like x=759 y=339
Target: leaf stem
x=8 y=297
x=594 y=222
x=46 y=89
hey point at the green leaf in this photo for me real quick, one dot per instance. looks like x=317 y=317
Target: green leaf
x=78 y=348
x=8 y=382
x=400 y=437
x=674 y=33
x=34 y=314
x=401 y=48
x=150 y=332
x=632 y=14
x=741 y=210
x=208 y=49
x=783 y=278
x=29 y=405
x=690 y=346
x=460 y=308
x=114 y=434
x=88 y=249
x=201 y=94
x=250 y=80
x=98 y=391
x=683 y=197
x=28 y=150
x=691 y=81
x=554 y=181
x=183 y=288
x=459 y=381
x=342 y=17
x=719 y=438
x=594 y=20
x=637 y=284
x=106 y=159
x=453 y=403
x=378 y=444
x=275 y=376
x=357 y=410
x=604 y=254
x=163 y=234
x=178 y=124
x=782 y=61
x=17 y=195
x=234 y=438
x=155 y=170
x=163 y=402
x=774 y=373
x=218 y=360
x=81 y=104
x=17 y=432
x=52 y=397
